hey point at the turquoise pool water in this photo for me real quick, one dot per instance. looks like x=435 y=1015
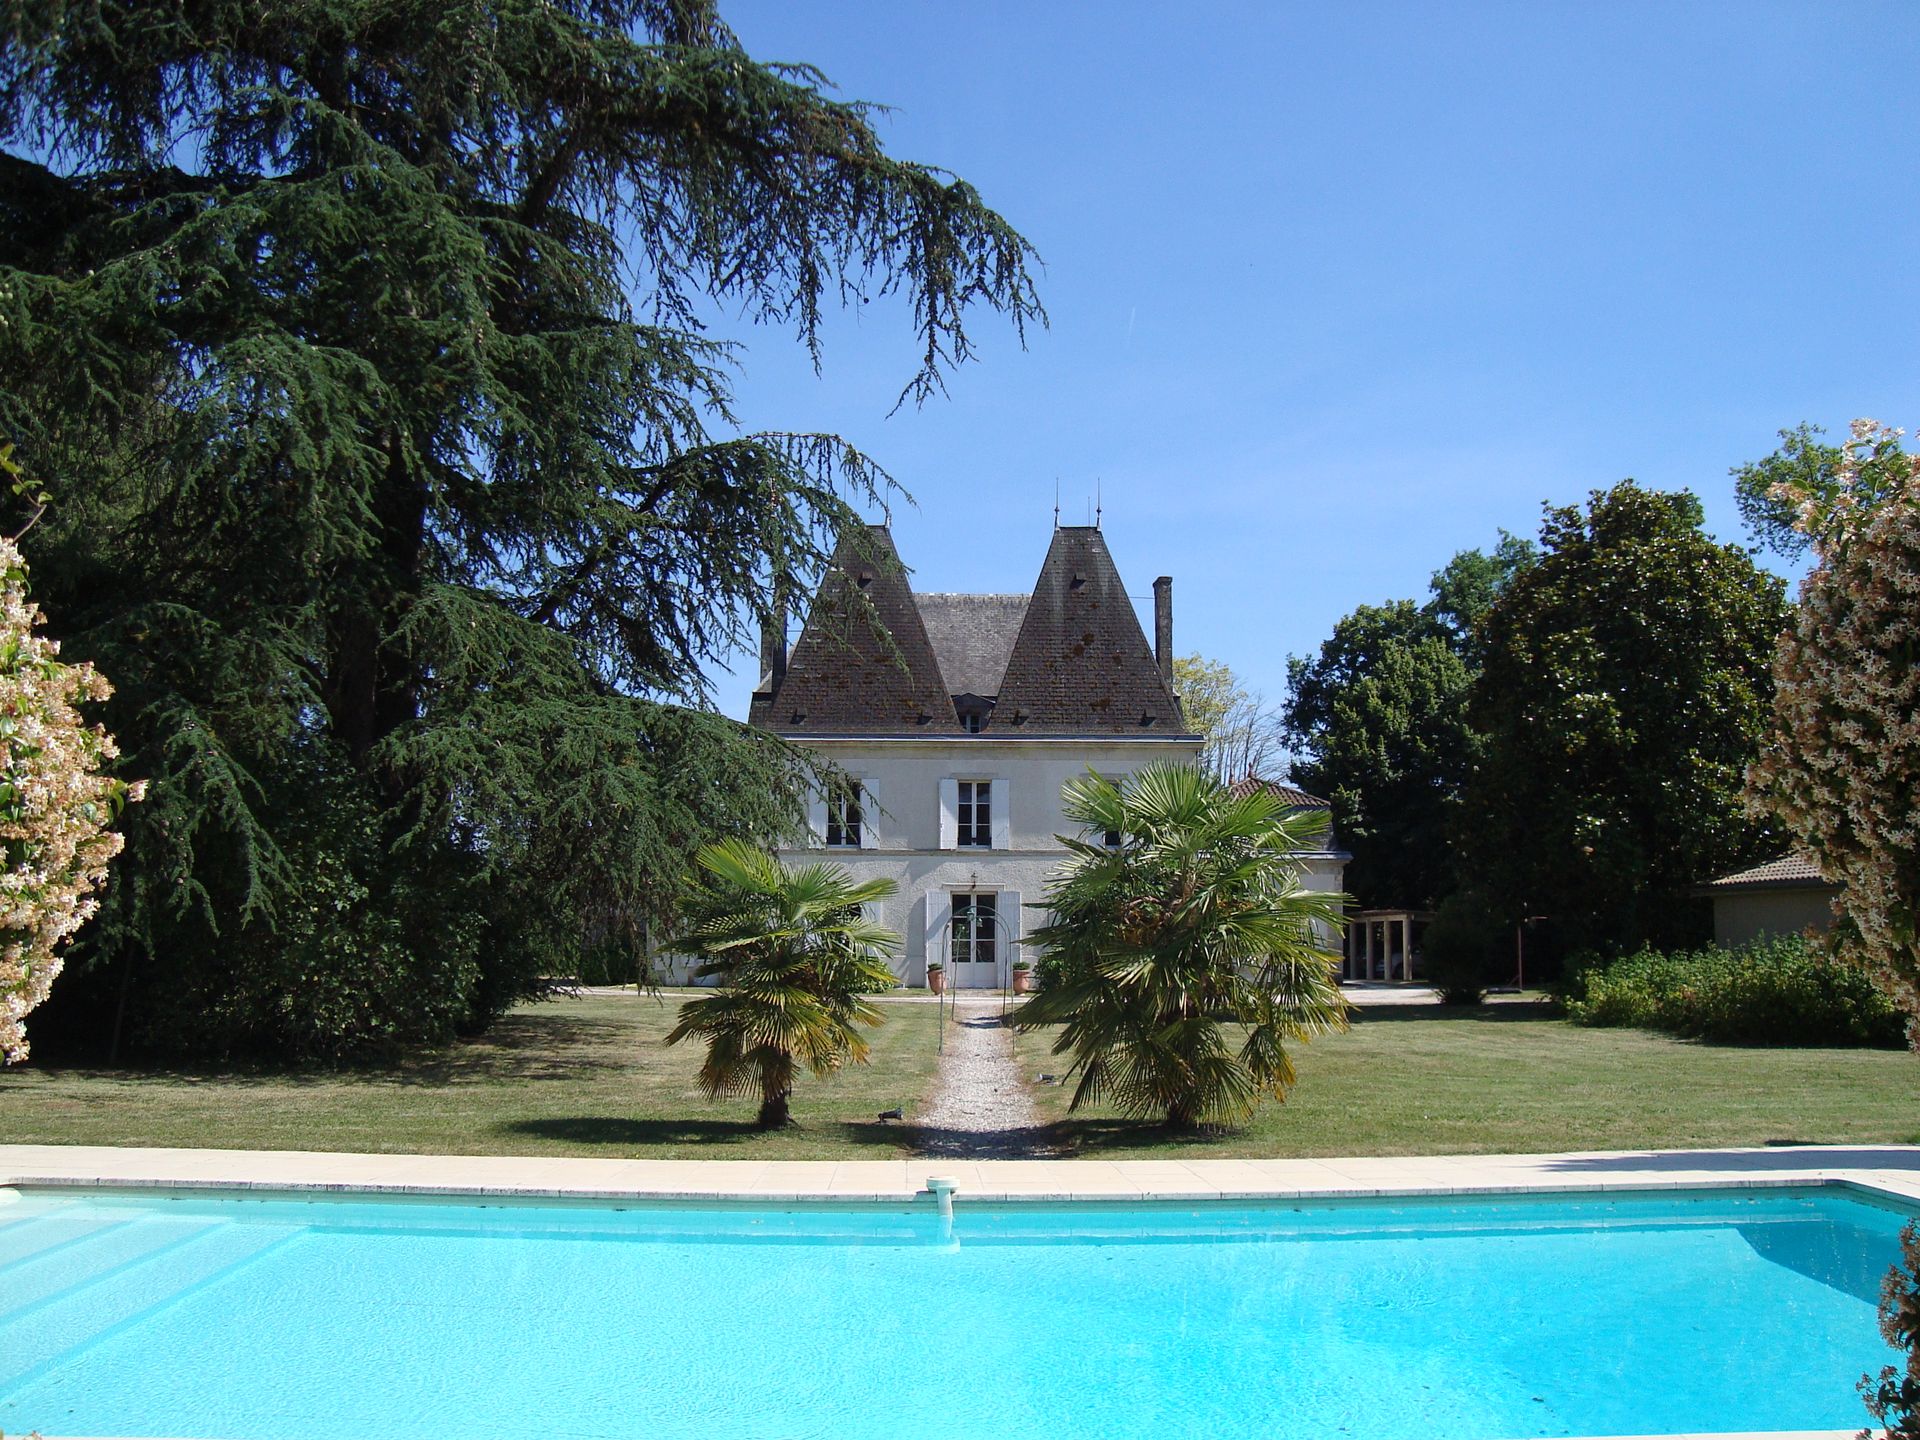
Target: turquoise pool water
x=261 y=1318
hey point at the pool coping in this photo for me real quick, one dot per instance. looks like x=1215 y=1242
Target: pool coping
x=1890 y=1171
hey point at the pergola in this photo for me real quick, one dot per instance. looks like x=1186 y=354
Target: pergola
x=1366 y=960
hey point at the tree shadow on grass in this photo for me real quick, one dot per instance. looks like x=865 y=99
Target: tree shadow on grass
x=1027 y=1142
x=519 y=1048
x=1078 y=1138
x=1015 y=1142
x=1506 y=1012
x=630 y=1133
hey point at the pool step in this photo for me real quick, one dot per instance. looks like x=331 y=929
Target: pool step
x=38 y=1278
x=36 y=1234
x=138 y=1269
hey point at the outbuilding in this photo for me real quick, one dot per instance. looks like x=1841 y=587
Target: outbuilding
x=1782 y=897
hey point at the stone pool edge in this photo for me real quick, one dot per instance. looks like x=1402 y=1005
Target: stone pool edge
x=1889 y=1170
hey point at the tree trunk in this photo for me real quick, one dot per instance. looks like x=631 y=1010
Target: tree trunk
x=370 y=687
x=774 y=1113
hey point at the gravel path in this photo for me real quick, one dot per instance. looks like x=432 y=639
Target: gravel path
x=980 y=1109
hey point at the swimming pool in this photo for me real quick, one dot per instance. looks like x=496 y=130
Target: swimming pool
x=250 y=1317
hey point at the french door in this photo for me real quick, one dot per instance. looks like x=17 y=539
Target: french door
x=976 y=941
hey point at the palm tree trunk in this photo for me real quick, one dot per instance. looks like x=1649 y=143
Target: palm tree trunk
x=776 y=1086
x=774 y=1114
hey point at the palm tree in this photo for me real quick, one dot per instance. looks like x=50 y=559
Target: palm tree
x=1184 y=957
x=795 y=957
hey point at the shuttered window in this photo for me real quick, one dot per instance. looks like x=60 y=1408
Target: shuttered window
x=974 y=814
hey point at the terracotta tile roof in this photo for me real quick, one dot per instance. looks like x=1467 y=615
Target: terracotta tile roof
x=1290 y=794
x=973 y=637
x=845 y=679
x=1788 y=871
x=1081 y=664
x=1296 y=799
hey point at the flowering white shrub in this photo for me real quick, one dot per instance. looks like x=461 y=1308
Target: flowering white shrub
x=1843 y=771
x=55 y=804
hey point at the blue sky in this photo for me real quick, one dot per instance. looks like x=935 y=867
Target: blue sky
x=1338 y=290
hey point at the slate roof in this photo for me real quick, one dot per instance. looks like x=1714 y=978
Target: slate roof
x=1070 y=659
x=845 y=679
x=973 y=637
x=1081 y=664
x=1795 y=872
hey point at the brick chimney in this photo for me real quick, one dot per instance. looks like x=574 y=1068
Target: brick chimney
x=1163 y=626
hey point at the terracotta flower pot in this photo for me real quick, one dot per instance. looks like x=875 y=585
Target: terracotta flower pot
x=937 y=980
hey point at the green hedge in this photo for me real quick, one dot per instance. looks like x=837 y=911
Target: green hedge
x=1774 y=991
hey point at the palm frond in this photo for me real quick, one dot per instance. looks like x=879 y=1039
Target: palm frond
x=1198 y=923
x=795 y=956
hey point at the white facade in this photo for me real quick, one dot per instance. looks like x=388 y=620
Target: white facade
x=960 y=718
x=910 y=833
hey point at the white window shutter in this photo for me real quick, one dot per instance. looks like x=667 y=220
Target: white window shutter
x=1002 y=812
x=1011 y=926
x=817 y=816
x=939 y=911
x=869 y=816
x=949 y=814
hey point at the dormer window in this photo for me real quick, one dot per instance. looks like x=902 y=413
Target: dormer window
x=973 y=711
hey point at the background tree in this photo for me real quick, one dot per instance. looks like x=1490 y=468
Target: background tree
x=794 y=957
x=1467 y=587
x=1196 y=923
x=1841 y=769
x=1243 y=732
x=1378 y=719
x=407 y=507
x=1625 y=688
x=1806 y=475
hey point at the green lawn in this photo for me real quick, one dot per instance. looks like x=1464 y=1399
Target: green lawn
x=1508 y=1078
x=589 y=1076
x=586 y=1076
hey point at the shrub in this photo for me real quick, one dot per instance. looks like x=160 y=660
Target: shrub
x=1459 y=949
x=1775 y=991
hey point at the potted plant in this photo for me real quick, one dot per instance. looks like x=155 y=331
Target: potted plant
x=1022 y=977
x=937 y=977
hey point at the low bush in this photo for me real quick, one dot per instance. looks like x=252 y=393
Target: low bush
x=1774 y=991
x=1460 y=950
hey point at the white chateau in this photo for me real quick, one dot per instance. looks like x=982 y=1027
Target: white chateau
x=959 y=735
